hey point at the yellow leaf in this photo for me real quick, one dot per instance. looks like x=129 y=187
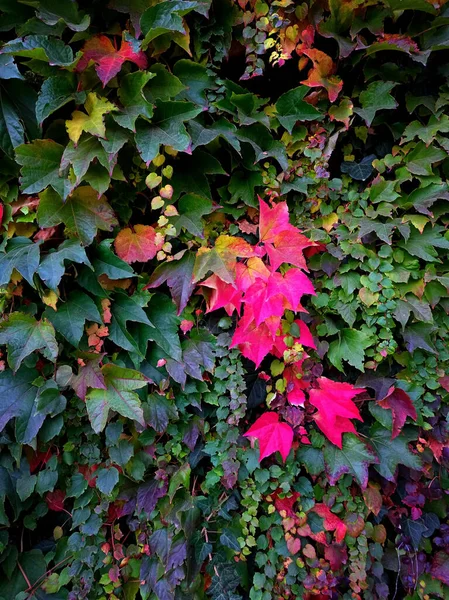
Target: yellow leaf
x=329 y=221
x=418 y=221
x=50 y=298
x=93 y=121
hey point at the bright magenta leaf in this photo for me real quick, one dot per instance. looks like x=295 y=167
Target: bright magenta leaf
x=108 y=60
x=253 y=341
x=220 y=294
x=335 y=408
x=273 y=436
x=401 y=405
x=287 y=247
x=273 y=221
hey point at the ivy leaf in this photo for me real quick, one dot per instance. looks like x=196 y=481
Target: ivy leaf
x=133 y=99
x=140 y=245
x=40 y=163
x=117 y=396
x=292 y=108
x=164 y=17
x=71 y=315
x=361 y=170
x=273 y=436
x=93 y=121
x=191 y=208
x=40 y=47
x=423 y=244
x=376 y=97
x=108 y=61
x=392 y=451
x=167 y=128
x=418 y=335
x=178 y=275
x=20 y=254
x=350 y=347
x=52 y=266
x=354 y=457
x=107 y=479
x=82 y=214
x=335 y=408
x=401 y=405
x=23 y=334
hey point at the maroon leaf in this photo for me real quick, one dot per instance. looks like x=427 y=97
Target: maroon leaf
x=401 y=405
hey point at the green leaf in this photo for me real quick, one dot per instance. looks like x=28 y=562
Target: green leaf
x=418 y=335
x=376 y=97
x=242 y=186
x=82 y=214
x=164 y=332
x=52 y=11
x=354 y=458
x=124 y=309
x=292 y=108
x=392 y=452
x=107 y=480
x=23 y=334
x=423 y=244
x=17 y=115
x=133 y=99
x=159 y=411
x=33 y=566
x=52 y=266
x=164 y=86
x=229 y=540
x=117 y=396
x=202 y=135
x=40 y=163
x=164 y=17
x=71 y=316
x=178 y=275
x=21 y=254
x=350 y=347
x=426 y=133
x=383 y=190
x=191 y=209
x=8 y=68
x=311 y=458
x=359 y=170
x=80 y=157
x=420 y=160
x=41 y=47
x=167 y=128
x=17 y=394
x=196 y=80
x=55 y=93
x=105 y=262
x=180 y=478
x=263 y=144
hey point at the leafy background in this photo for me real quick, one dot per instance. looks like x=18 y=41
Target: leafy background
x=139 y=451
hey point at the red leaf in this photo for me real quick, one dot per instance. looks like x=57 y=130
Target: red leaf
x=253 y=341
x=285 y=504
x=287 y=247
x=55 y=500
x=272 y=435
x=108 y=60
x=1 y=213
x=273 y=221
x=321 y=74
x=221 y=295
x=335 y=408
x=401 y=405
x=139 y=245
x=331 y=521
x=295 y=385
x=337 y=555
x=247 y=274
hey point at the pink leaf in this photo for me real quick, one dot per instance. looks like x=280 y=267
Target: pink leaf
x=273 y=436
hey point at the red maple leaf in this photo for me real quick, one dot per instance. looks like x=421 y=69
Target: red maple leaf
x=331 y=521
x=273 y=221
x=288 y=247
x=273 y=436
x=55 y=500
x=335 y=408
x=139 y=245
x=249 y=273
x=221 y=295
x=305 y=339
x=401 y=405
x=253 y=341
x=109 y=60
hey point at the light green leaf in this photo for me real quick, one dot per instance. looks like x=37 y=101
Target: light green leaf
x=40 y=163
x=291 y=108
x=376 y=97
x=350 y=346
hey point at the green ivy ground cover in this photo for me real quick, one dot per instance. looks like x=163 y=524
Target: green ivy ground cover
x=224 y=287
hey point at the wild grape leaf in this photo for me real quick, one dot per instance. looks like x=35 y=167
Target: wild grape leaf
x=354 y=458
x=40 y=47
x=53 y=11
x=105 y=262
x=272 y=435
x=191 y=209
x=82 y=213
x=40 y=163
x=71 y=316
x=392 y=452
x=140 y=245
x=118 y=396
x=133 y=99
x=89 y=376
x=20 y=254
x=376 y=97
x=359 y=170
x=291 y=108
x=222 y=258
x=167 y=128
x=426 y=133
x=108 y=60
x=322 y=73
x=178 y=275
x=124 y=309
x=335 y=408
x=93 y=121
x=164 y=17
x=202 y=134
x=242 y=186
x=80 y=156
x=52 y=266
x=350 y=346
x=23 y=334
x=196 y=80
x=401 y=405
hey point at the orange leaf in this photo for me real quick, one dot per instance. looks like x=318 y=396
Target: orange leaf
x=139 y=245
x=321 y=74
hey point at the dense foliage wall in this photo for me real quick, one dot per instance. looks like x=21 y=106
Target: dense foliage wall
x=224 y=281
